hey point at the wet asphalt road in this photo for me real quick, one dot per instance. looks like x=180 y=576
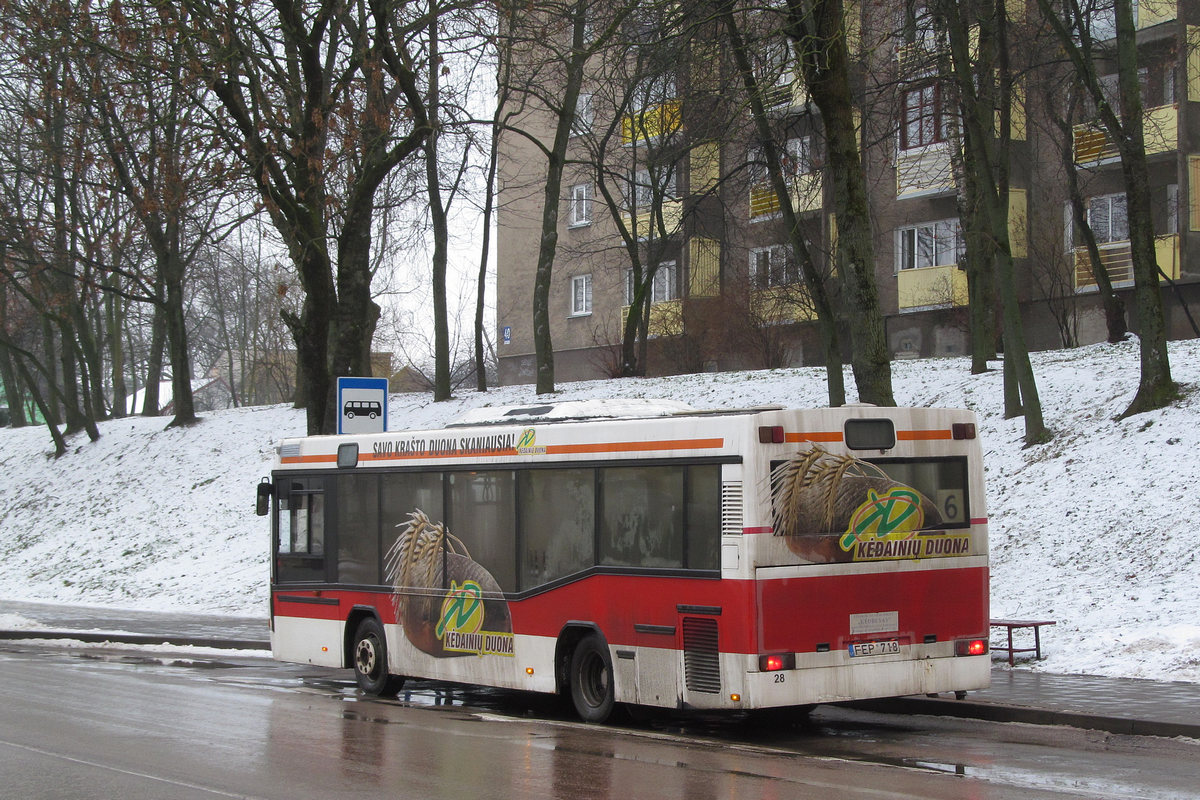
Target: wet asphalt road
x=92 y=723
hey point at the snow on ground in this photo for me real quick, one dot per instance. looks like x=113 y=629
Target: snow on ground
x=1094 y=529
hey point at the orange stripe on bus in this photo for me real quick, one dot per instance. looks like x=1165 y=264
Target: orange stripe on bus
x=309 y=459
x=633 y=447
x=920 y=436
x=814 y=436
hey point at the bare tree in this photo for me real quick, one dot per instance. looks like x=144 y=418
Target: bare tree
x=1073 y=23
x=773 y=156
x=818 y=31
x=983 y=83
x=320 y=103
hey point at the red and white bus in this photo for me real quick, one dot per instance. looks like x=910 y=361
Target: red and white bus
x=707 y=560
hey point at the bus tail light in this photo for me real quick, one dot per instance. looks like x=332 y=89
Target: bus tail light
x=770 y=434
x=775 y=662
x=970 y=647
x=963 y=430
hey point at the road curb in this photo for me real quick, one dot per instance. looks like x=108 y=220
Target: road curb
x=997 y=712
x=138 y=638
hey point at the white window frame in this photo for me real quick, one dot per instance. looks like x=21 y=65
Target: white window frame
x=581 y=295
x=585 y=115
x=665 y=285
x=797 y=160
x=652 y=92
x=930 y=244
x=639 y=196
x=580 y=205
x=773 y=266
x=1108 y=217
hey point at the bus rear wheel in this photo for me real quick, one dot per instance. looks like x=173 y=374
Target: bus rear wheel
x=371 y=661
x=591 y=675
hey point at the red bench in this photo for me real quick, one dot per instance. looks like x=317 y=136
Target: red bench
x=1013 y=624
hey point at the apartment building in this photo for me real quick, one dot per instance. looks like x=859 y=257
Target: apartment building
x=665 y=187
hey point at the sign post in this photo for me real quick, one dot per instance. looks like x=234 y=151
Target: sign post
x=362 y=405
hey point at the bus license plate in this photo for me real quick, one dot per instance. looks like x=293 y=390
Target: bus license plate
x=884 y=648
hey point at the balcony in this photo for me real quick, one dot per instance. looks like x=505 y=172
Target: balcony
x=651 y=122
x=1160 y=130
x=644 y=224
x=786 y=98
x=666 y=318
x=806 y=193
x=931 y=287
x=780 y=305
x=923 y=171
x=1118 y=261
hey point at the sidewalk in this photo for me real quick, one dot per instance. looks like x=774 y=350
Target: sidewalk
x=1116 y=705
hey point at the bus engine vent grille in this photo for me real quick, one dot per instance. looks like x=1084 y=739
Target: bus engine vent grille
x=731 y=508
x=701 y=661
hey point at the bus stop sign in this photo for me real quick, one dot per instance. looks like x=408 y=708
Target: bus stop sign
x=362 y=405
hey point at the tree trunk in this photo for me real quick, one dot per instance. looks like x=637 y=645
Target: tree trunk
x=543 y=346
x=814 y=282
x=154 y=361
x=818 y=27
x=115 y=323
x=1156 y=388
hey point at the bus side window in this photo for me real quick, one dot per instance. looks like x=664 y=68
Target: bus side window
x=300 y=539
x=641 y=516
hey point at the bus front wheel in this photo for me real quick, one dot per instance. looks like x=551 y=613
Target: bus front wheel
x=371 y=661
x=592 y=679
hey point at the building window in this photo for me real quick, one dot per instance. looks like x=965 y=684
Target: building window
x=917 y=27
x=581 y=295
x=652 y=92
x=773 y=68
x=795 y=160
x=649 y=185
x=773 y=266
x=924 y=123
x=1108 y=218
x=581 y=205
x=933 y=244
x=585 y=115
x=665 y=285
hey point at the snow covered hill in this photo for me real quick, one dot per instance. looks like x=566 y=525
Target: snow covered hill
x=1095 y=529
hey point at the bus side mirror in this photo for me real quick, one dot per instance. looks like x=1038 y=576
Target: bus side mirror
x=263 y=504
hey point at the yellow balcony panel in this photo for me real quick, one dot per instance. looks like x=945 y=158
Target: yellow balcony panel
x=1117 y=262
x=704 y=273
x=1160 y=130
x=666 y=318
x=1152 y=12
x=782 y=304
x=645 y=224
x=651 y=122
x=931 y=287
x=806 y=192
x=1117 y=259
x=1166 y=253
x=923 y=171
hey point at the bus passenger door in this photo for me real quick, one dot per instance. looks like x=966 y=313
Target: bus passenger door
x=300 y=543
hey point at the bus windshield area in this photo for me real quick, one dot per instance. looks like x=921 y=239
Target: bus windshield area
x=834 y=508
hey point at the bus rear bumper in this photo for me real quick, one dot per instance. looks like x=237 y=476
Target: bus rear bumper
x=855 y=681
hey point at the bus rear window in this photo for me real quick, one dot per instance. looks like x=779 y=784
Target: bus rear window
x=820 y=493
x=942 y=480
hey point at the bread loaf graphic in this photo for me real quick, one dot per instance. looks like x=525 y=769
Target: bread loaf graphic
x=431 y=570
x=816 y=496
